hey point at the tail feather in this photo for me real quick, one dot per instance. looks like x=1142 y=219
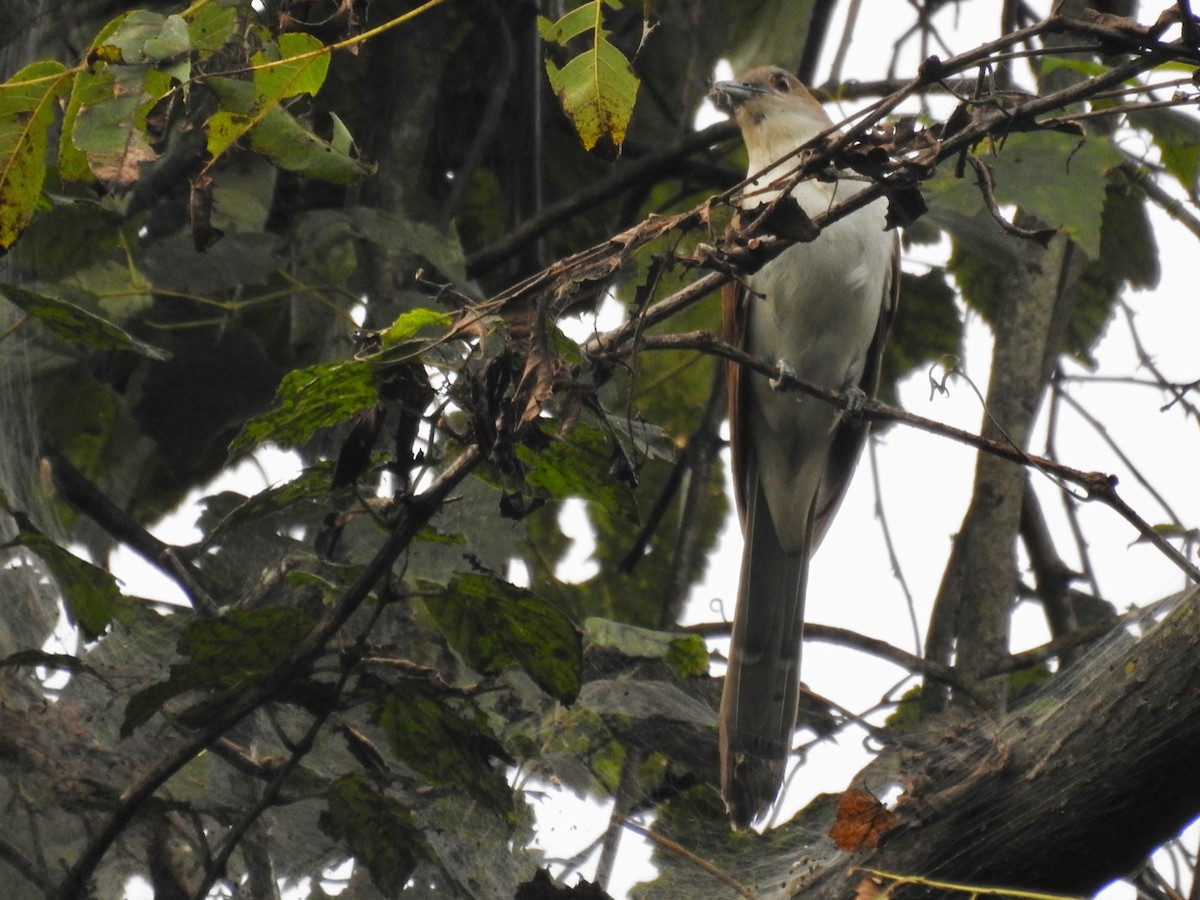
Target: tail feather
x=762 y=685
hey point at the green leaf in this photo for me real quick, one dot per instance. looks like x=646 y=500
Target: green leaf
x=409 y=324
x=341 y=140
x=309 y=487
x=225 y=656
x=438 y=743
x=440 y=248
x=27 y=102
x=775 y=31
x=90 y=595
x=1087 y=67
x=310 y=399
x=211 y=26
x=73 y=162
x=495 y=625
x=578 y=466
x=107 y=122
x=1054 y=177
x=144 y=36
x=119 y=289
x=277 y=135
x=686 y=654
x=597 y=89
x=928 y=325
x=1176 y=134
x=1129 y=255
x=68 y=236
x=574 y=23
x=73 y=323
x=296 y=65
x=299 y=67
x=377 y=830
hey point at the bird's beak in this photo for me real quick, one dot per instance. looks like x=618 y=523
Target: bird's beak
x=729 y=95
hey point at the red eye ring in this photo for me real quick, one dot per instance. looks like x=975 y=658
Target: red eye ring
x=780 y=82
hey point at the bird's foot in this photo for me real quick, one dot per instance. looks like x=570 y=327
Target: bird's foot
x=787 y=377
x=856 y=399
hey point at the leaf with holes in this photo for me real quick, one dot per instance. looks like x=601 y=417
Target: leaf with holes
x=495 y=625
x=309 y=399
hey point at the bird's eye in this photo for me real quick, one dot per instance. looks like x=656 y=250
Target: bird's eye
x=779 y=81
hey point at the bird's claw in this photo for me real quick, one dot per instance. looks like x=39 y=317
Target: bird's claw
x=787 y=377
x=856 y=399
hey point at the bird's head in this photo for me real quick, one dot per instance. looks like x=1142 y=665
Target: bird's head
x=774 y=109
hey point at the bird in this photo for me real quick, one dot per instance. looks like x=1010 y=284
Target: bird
x=822 y=310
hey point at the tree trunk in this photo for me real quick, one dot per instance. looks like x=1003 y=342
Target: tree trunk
x=1065 y=794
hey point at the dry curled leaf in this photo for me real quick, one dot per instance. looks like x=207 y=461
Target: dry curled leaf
x=869 y=887
x=861 y=821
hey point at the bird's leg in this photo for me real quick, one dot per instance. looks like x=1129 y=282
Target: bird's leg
x=856 y=399
x=787 y=377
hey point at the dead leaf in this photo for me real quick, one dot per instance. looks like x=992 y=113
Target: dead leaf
x=868 y=888
x=861 y=821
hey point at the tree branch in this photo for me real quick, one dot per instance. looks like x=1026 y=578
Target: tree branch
x=419 y=510
x=1096 y=485
x=93 y=503
x=1103 y=782
x=650 y=166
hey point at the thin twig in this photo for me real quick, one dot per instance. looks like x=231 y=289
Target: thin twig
x=1108 y=439
x=1170 y=205
x=893 y=557
x=86 y=497
x=25 y=867
x=845 y=637
x=270 y=795
x=1070 y=505
x=649 y=166
x=623 y=803
x=1096 y=485
x=987 y=188
x=418 y=512
x=603 y=260
x=1144 y=359
x=703 y=864
x=843 y=47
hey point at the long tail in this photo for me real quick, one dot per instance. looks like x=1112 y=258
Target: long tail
x=762 y=683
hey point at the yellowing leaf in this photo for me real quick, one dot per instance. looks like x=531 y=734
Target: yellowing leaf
x=26 y=113
x=576 y=22
x=597 y=88
x=300 y=68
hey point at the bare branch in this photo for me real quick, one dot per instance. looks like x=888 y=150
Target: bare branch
x=417 y=513
x=1095 y=485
